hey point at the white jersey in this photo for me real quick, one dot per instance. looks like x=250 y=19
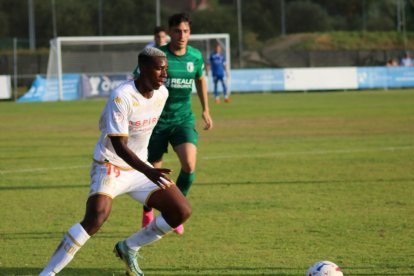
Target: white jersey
x=128 y=113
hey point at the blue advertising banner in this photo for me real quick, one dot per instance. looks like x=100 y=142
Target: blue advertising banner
x=400 y=76
x=76 y=86
x=372 y=77
x=102 y=85
x=385 y=77
x=43 y=89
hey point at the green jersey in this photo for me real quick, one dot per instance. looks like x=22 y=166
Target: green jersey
x=181 y=73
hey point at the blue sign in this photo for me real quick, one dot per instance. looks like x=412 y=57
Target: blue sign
x=102 y=85
x=76 y=86
x=372 y=77
x=385 y=77
x=400 y=76
x=48 y=89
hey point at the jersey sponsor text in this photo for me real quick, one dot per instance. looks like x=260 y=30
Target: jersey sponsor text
x=179 y=83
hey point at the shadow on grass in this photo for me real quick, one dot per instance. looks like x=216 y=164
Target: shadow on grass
x=221 y=271
x=56 y=235
x=316 y=181
x=157 y=271
x=68 y=271
x=44 y=187
x=225 y=183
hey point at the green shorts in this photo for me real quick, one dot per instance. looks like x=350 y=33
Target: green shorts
x=175 y=135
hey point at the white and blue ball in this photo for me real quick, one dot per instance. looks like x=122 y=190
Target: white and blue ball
x=324 y=268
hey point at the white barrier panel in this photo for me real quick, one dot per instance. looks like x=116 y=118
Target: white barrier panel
x=5 y=87
x=321 y=78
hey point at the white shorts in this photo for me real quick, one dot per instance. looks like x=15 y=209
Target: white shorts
x=113 y=181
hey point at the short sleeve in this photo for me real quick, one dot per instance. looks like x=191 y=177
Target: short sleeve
x=200 y=67
x=117 y=116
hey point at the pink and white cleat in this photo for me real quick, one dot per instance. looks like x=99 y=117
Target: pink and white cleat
x=179 y=229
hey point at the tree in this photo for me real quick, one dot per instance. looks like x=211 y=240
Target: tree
x=305 y=16
x=262 y=17
x=15 y=14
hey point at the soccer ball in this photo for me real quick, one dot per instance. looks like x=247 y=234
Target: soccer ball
x=324 y=268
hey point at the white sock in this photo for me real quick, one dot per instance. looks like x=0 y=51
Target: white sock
x=73 y=240
x=149 y=234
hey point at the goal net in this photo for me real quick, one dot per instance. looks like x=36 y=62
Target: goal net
x=102 y=62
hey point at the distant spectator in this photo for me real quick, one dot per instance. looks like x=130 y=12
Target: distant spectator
x=407 y=60
x=392 y=62
x=160 y=37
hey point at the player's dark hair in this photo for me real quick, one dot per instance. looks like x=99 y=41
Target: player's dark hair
x=178 y=18
x=159 y=29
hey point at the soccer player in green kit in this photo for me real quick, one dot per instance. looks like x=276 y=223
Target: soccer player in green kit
x=177 y=123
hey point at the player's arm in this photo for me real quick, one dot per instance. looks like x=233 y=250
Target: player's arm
x=201 y=86
x=158 y=176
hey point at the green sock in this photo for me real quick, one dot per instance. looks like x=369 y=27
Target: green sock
x=184 y=181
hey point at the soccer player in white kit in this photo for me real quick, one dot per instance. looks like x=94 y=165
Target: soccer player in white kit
x=120 y=167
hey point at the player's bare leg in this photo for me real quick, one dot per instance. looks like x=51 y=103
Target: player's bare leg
x=174 y=209
x=148 y=212
x=98 y=208
x=186 y=153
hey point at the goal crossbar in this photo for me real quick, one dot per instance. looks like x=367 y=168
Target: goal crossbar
x=58 y=42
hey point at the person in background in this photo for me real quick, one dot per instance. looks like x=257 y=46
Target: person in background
x=392 y=62
x=160 y=37
x=407 y=61
x=120 y=167
x=217 y=64
x=177 y=122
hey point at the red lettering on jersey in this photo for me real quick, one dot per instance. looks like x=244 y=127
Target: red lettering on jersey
x=144 y=122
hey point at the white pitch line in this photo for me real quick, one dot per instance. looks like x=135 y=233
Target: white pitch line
x=274 y=154
x=43 y=169
x=318 y=152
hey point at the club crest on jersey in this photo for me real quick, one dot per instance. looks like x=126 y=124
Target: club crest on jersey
x=118 y=117
x=118 y=100
x=190 y=66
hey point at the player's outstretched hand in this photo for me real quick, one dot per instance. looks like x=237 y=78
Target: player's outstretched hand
x=159 y=177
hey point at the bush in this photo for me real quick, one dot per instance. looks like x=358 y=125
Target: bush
x=306 y=17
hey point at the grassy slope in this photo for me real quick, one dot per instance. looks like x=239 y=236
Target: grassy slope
x=283 y=180
x=343 y=41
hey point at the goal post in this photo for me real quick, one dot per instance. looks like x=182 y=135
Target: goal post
x=98 y=55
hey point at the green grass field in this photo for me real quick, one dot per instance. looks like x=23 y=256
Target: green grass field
x=283 y=180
